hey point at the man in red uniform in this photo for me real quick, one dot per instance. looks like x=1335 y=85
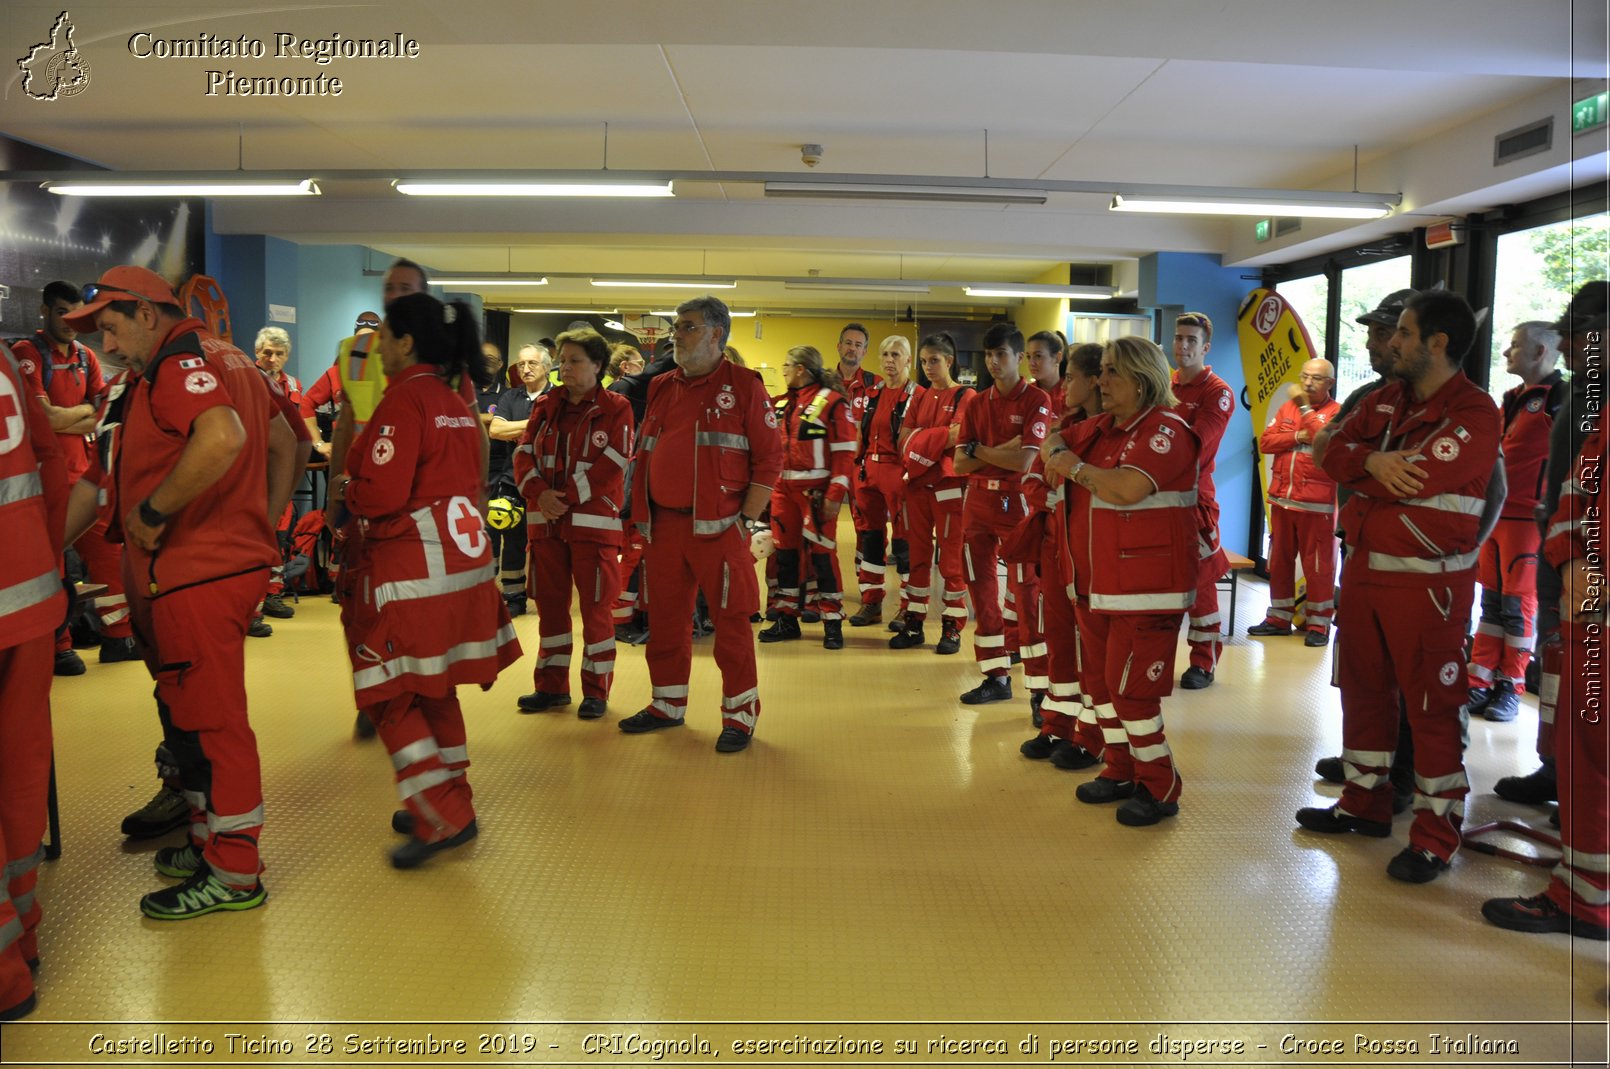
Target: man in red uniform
x=858 y=386
x=66 y=377
x=273 y=349
x=1001 y=431
x=707 y=459
x=1206 y=403
x=1508 y=568
x=191 y=474
x=1420 y=453
x=1302 y=513
x=31 y=606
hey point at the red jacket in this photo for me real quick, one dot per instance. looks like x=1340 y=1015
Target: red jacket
x=226 y=529
x=289 y=385
x=75 y=380
x=1528 y=419
x=587 y=465
x=1206 y=405
x=33 y=511
x=818 y=440
x=1434 y=537
x=735 y=444
x=1577 y=527
x=1037 y=493
x=427 y=614
x=1295 y=482
x=929 y=459
x=1139 y=558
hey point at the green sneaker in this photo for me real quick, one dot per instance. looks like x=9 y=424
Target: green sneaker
x=180 y=862
x=201 y=894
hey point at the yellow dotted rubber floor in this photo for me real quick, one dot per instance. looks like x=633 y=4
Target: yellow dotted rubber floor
x=881 y=854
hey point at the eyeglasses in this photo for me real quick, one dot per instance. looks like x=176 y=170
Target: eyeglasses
x=688 y=327
x=96 y=289
x=1314 y=378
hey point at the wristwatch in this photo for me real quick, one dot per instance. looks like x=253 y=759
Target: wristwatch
x=750 y=523
x=150 y=516
x=971 y=449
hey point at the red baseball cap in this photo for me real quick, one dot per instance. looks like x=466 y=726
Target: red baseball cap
x=119 y=284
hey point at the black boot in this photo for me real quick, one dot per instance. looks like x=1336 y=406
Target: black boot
x=785 y=629
x=833 y=635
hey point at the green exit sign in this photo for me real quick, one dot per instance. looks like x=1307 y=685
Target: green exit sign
x=1260 y=230
x=1590 y=113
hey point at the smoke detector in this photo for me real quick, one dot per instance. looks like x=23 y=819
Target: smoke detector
x=810 y=155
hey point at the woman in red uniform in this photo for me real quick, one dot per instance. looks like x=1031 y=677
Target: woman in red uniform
x=933 y=500
x=425 y=613
x=819 y=455
x=1068 y=733
x=882 y=475
x=1025 y=623
x=570 y=467
x=1132 y=536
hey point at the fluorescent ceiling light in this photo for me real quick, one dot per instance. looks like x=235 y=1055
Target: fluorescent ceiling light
x=734 y=315
x=670 y=283
x=146 y=187
x=860 y=285
x=569 y=311
x=1010 y=289
x=880 y=191
x=472 y=188
x=439 y=281
x=1318 y=207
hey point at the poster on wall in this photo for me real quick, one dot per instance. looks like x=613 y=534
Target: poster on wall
x=44 y=237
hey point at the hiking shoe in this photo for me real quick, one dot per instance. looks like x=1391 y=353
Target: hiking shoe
x=69 y=663
x=114 y=650
x=201 y=894
x=1539 y=914
x=1142 y=810
x=180 y=862
x=1504 y=704
x=898 y=624
x=1330 y=770
x=810 y=616
x=908 y=638
x=833 y=634
x=1035 y=703
x=258 y=628
x=732 y=740
x=786 y=629
x=950 y=638
x=1476 y=700
x=1039 y=748
x=21 y=1009
x=591 y=708
x=1196 y=678
x=515 y=606
x=403 y=822
x=1332 y=821
x=166 y=811
x=1316 y=639
x=646 y=720
x=416 y=852
x=871 y=612
x=1401 y=800
x=1269 y=628
x=542 y=699
x=1072 y=757
x=1536 y=788
x=364 y=728
x=274 y=605
x=1101 y=789
x=992 y=689
x=1416 y=866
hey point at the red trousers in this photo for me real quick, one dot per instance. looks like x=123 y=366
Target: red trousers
x=1405 y=642
x=677 y=565
x=425 y=737
x=934 y=520
x=1507 y=572
x=870 y=518
x=800 y=527
x=591 y=569
x=1581 y=882
x=1203 y=635
x=194 y=640
x=25 y=674
x=627 y=603
x=981 y=548
x=884 y=535
x=1128 y=667
x=1023 y=592
x=1064 y=707
x=104 y=562
x=1311 y=536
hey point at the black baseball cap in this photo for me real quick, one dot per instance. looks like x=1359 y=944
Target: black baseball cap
x=1386 y=313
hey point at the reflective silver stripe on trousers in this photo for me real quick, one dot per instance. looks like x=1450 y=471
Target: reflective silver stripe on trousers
x=1459 y=562
x=28 y=593
x=455 y=755
x=1171 y=602
x=217 y=822
x=414 y=753
x=709 y=527
x=435 y=585
x=407 y=788
x=24 y=865
x=808 y=473
x=464 y=651
x=22 y=487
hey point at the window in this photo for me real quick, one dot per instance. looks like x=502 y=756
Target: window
x=1308 y=298
x=1363 y=287
x=1536 y=273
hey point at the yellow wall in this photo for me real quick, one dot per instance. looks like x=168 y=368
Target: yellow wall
x=778 y=334
x=1045 y=313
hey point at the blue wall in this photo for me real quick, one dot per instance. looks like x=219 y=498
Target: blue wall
x=1179 y=281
